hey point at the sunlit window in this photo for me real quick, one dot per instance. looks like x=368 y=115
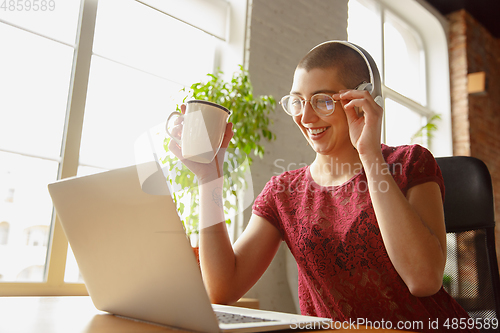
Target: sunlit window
x=35 y=62
x=141 y=58
x=399 y=52
x=138 y=69
x=404 y=59
x=402 y=123
x=4 y=232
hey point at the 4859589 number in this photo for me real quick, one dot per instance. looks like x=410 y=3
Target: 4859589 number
x=470 y=323
x=28 y=5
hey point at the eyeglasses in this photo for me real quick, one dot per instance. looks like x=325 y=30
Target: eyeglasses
x=323 y=104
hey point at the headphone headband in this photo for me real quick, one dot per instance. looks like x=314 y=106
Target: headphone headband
x=376 y=90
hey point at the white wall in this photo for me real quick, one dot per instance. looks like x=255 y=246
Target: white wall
x=281 y=33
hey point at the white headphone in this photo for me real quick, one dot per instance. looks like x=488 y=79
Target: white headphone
x=375 y=86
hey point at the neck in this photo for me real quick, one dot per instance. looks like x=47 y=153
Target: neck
x=328 y=170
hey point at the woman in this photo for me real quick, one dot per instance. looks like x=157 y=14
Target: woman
x=364 y=221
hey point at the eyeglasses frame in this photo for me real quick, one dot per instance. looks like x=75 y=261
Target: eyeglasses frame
x=303 y=104
x=362 y=86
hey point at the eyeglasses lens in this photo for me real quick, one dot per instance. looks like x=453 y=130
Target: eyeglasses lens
x=293 y=105
x=321 y=103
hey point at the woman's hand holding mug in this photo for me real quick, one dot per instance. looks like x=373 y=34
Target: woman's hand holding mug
x=200 y=134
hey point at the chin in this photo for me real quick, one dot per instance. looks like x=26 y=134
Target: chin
x=319 y=150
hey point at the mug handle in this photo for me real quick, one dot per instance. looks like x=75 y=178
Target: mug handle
x=178 y=114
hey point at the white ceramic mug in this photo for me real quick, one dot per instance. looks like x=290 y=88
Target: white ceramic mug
x=202 y=131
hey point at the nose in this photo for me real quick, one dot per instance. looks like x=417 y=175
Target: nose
x=308 y=114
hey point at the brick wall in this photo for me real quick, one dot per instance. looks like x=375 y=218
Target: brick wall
x=476 y=117
x=458 y=84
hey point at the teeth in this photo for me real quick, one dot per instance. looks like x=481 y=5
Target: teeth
x=317 y=130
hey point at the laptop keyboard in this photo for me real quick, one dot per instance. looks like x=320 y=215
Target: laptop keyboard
x=232 y=318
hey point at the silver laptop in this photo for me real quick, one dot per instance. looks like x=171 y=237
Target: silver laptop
x=136 y=260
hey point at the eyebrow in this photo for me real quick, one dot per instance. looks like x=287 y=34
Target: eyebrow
x=325 y=91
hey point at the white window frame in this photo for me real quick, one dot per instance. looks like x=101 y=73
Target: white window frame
x=231 y=55
x=432 y=30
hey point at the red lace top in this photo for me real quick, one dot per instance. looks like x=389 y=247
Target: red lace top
x=344 y=270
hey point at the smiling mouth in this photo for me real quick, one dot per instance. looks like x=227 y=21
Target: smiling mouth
x=316 y=131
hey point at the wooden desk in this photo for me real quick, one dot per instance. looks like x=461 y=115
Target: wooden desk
x=75 y=315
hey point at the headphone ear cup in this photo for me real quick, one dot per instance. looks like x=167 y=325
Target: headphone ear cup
x=368 y=86
x=365 y=86
x=380 y=101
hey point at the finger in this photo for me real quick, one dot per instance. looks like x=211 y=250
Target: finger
x=175 y=149
x=367 y=106
x=178 y=120
x=350 y=112
x=347 y=95
x=357 y=94
x=177 y=131
x=352 y=93
x=360 y=96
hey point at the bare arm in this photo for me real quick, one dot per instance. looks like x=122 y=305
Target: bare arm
x=412 y=227
x=229 y=272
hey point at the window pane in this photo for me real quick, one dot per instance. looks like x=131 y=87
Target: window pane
x=72 y=272
x=404 y=59
x=152 y=41
x=122 y=104
x=137 y=73
x=363 y=14
x=56 y=19
x=85 y=171
x=207 y=15
x=26 y=208
x=34 y=85
x=395 y=116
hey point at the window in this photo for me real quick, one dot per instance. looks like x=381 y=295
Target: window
x=36 y=64
x=408 y=43
x=4 y=232
x=77 y=93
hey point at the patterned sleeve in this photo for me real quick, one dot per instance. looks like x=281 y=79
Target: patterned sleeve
x=265 y=205
x=419 y=166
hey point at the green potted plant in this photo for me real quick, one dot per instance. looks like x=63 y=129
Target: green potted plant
x=250 y=118
x=447 y=283
x=426 y=132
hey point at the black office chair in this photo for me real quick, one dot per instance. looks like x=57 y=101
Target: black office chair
x=471 y=274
